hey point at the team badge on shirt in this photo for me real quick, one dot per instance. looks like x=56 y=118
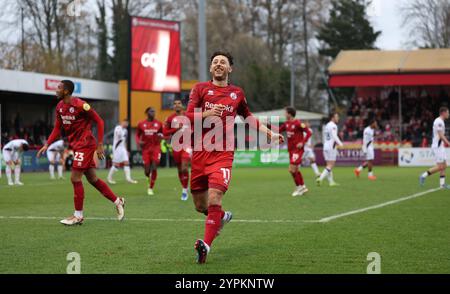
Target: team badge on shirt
x=233 y=96
x=71 y=110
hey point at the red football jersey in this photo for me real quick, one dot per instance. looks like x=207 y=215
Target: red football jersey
x=176 y=118
x=76 y=119
x=294 y=131
x=150 y=133
x=206 y=95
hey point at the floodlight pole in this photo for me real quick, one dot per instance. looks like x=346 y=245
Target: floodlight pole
x=400 y=113
x=202 y=67
x=129 y=129
x=292 y=64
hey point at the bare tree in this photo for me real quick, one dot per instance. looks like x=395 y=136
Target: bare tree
x=428 y=22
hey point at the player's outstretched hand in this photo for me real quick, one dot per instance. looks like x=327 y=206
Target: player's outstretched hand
x=277 y=137
x=215 y=111
x=42 y=150
x=100 y=152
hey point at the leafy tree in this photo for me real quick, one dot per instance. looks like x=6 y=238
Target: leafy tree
x=348 y=28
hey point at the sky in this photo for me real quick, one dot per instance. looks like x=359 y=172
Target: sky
x=385 y=17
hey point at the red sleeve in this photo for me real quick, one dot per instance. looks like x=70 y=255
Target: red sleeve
x=137 y=137
x=167 y=129
x=282 y=128
x=306 y=130
x=244 y=111
x=195 y=101
x=56 y=132
x=161 y=129
x=93 y=115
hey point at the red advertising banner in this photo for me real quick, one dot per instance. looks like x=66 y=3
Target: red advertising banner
x=155 y=55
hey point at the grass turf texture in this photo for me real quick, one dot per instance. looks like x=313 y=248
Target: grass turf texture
x=411 y=236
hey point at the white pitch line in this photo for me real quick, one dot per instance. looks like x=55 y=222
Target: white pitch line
x=155 y=219
x=323 y=220
x=333 y=217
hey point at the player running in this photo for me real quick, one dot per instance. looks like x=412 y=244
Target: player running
x=76 y=117
x=182 y=157
x=55 y=156
x=295 y=129
x=331 y=140
x=438 y=146
x=368 y=150
x=148 y=137
x=120 y=154
x=211 y=169
x=11 y=153
x=309 y=152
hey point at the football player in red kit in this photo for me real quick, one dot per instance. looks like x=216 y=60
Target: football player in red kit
x=218 y=102
x=148 y=137
x=182 y=157
x=295 y=131
x=75 y=116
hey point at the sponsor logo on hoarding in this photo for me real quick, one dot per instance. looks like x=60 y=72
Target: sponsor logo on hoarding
x=52 y=85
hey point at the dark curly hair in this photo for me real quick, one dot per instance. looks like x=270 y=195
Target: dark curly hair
x=223 y=53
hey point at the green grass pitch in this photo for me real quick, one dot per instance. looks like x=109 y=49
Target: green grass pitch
x=270 y=232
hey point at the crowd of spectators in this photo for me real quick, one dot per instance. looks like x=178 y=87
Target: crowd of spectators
x=36 y=134
x=418 y=114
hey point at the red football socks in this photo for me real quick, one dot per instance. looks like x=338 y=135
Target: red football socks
x=105 y=190
x=153 y=177
x=78 y=195
x=184 y=179
x=298 y=178
x=213 y=223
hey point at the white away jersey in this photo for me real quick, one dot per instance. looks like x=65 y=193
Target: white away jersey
x=15 y=144
x=120 y=137
x=368 y=137
x=57 y=146
x=330 y=136
x=438 y=126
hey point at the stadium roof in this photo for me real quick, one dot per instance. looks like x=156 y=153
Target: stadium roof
x=45 y=84
x=390 y=68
